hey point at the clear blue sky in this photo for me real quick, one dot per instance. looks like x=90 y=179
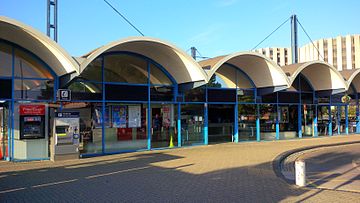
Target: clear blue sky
x=215 y=27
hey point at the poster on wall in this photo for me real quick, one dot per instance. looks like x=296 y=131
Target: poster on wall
x=166 y=115
x=134 y=116
x=97 y=116
x=119 y=116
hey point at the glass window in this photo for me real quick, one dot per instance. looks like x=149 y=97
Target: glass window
x=195 y=95
x=192 y=124
x=126 y=92
x=323 y=120
x=246 y=95
x=269 y=98
x=125 y=69
x=81 y=90
x=163 y=125
x=158 y=77
x=126 y=128
x=5 y=60
x=34 y=89
x=221 y=122
x=6 y=90
x=288 y=97
x=307 y=120
x=268 y=114
x=288 y=121
x=30 y=67
x=352 y=117
x=90 y=135
x=93 y=72
x=247 y=122
x=221 y=95
x=162 y=93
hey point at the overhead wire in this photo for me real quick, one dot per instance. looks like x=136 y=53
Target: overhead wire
x=132 y=25
x=310 y=39
x=271 y=34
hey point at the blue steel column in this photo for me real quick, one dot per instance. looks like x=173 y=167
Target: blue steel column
x=103 y=105
x=299 y=111
x=347 y=119
x=299 y=121
x=179 y=124
x=149 y=109
x=206 y=121
x=258 y=122
x=236 y=121
x=11 y=136
x=316 y=121
x=338 y=121
x=330 y=121
x=277 y=125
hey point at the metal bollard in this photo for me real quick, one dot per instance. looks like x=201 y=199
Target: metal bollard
x=300 y=173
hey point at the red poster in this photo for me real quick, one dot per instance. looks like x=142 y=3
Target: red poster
x=38 y=110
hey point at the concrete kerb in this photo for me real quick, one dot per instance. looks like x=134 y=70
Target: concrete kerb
x=278 y=161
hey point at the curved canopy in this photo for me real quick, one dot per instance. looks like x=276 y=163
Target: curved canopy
x=352 y=78
x=321 y=75
x=177 y=63
x=39 y=44
x=261 y=70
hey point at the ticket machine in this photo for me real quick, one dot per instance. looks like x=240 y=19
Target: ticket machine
x=67 y=125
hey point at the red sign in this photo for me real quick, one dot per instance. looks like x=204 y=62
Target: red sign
x=37 y=110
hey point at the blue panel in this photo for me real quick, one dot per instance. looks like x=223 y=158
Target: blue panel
x=258 y=123
x=316 y=122
x=330 y=121
x=299 y=122
x=149 y=109
x=206 y=123
x=179 y=125
x=236 y=124
x=347 y=119
x=103 y=107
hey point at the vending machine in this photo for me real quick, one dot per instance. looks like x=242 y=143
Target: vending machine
x=67 y=127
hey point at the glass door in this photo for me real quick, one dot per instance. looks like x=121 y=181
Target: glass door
x=163 y=125
x=323 y=120
x=342 y=117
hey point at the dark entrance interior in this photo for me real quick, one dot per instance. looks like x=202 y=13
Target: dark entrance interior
x=221 y=123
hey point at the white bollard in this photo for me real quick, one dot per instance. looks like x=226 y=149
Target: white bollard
x=300 y=173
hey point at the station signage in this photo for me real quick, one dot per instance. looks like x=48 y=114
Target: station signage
x=64 y=94
x=38 y=110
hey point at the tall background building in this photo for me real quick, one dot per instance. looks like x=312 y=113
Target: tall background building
x=343 y=52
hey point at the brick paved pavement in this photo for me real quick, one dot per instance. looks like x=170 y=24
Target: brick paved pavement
x=217 y=173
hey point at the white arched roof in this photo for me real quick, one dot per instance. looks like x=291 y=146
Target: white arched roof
x=180 y=65
x=321 y=75
x=260 y=69
x=352 y=77
x=39 y=44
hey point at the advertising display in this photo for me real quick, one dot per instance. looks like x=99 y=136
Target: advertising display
x=97 y=116
x=134 y=116
x=119 y=116
x=32 y=121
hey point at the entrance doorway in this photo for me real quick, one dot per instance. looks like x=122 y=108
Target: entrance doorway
x=221 y=123
x=4 y=118
x=163 y=128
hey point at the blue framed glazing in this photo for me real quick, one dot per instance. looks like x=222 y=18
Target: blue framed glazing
x=48 y=68
x=149 y=109
x=103 y=109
